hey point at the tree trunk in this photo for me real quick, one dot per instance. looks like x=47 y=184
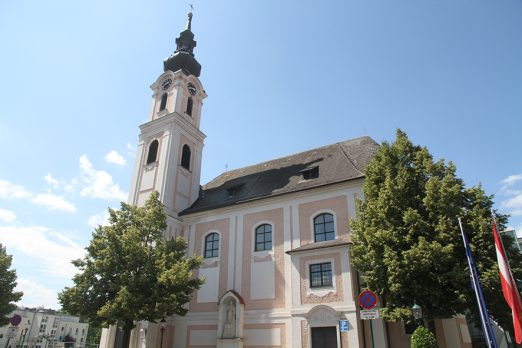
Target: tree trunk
x=127 y=328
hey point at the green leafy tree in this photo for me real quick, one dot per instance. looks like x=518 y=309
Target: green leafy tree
x=131 y=272
x=68 y=341
x=407 y=241
x=7 y=284
x=423 y=338
x=93 y=336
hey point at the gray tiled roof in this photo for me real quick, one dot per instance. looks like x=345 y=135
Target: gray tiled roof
x=337 y=162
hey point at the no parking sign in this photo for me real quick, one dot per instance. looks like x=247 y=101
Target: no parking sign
x=368 y=299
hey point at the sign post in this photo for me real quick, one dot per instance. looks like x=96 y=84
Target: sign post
x=13 y=330
x=368 y=300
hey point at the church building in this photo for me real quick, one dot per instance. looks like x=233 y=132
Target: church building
x=274 y=236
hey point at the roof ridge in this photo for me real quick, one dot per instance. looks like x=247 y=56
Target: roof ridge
x=348 y=158
x=296 y=154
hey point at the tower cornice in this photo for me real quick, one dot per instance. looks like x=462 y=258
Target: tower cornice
x=167 y=121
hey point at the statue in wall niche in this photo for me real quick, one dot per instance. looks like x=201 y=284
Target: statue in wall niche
x=229 y=328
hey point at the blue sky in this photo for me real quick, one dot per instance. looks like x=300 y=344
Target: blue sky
x=281 y=77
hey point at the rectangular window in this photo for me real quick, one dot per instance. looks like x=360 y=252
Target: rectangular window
x=321 y=275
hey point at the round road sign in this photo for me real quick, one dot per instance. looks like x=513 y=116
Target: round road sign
x=15 y=320
x=368 y=299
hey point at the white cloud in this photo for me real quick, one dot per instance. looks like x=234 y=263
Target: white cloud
x=54 y=202
x=71 y=187
x=509 y=192
x=512 y=179
x=36 y=295
x=513 y=194
x=131 y=150
x=10 y=190
x=116 y=158
x=7 y=216
x=514 y=202
x=99 y=219
x=52 y=181
x=51 y=251
x=49 y=200
x=98 y=183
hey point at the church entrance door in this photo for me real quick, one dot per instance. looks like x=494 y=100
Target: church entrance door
x=324 y=337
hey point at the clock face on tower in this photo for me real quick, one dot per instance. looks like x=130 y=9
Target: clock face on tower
x=166 y=84
x=192 y=89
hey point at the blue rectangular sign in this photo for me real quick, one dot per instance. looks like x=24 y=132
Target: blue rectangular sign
x=343 y=325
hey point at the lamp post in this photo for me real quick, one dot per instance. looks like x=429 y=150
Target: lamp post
x=417 y=313
x=163 y=324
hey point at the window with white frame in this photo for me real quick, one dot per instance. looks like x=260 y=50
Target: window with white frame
x=321 y=275
x=211 y=245
x=324 y=227
x=263 y=237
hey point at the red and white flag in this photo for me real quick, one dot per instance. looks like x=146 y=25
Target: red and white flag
x=509 y=287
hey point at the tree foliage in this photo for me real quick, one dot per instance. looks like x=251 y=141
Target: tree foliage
x=131 y=272
x=7 y=284
x=68 y=341
x=423 y=338
x=407 y=241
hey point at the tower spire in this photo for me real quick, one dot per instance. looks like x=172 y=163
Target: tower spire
x=183 y=56
x=189 y=20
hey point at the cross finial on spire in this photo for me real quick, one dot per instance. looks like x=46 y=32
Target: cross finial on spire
x=189 y=22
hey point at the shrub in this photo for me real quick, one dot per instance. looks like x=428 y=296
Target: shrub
x=423 y=338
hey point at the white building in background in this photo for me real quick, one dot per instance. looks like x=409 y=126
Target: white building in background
x=274 y=236
x=41 y=328
x=510 y=231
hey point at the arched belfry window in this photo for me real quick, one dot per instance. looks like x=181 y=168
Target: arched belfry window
x=153 y=152
x=185 y=157
x=324 y=228
x=163 y=103
x=190 y=105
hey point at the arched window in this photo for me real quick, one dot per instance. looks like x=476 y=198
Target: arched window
x=324 y=227
x=211 y=245
x=153 y=152
x=190 y=104
x=163 y=103
x=264 y=237
x=185 y=157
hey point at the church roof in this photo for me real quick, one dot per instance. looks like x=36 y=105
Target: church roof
x=314 y=168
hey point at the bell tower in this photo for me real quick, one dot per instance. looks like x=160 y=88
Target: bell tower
x=168 y=157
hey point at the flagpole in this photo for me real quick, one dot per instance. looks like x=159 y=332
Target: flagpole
x=475 y=283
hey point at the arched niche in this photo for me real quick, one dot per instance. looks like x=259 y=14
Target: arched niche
x=230 y=320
